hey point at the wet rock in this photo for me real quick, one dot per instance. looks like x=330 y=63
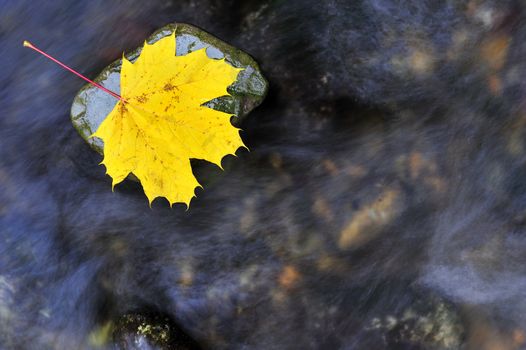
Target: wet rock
x=368 y=222
x=137 y=331
x=91 y=105
x=428 y=323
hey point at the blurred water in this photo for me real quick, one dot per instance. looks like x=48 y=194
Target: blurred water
x=381 y=205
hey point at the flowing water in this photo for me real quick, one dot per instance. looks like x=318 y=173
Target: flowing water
x=382 y=204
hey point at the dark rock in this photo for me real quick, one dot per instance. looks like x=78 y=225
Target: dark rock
x=429 y=322
x=91 y=105
x=137 y=331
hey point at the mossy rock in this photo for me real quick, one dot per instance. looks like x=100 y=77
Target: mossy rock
x=91 y=105
x=138 y=331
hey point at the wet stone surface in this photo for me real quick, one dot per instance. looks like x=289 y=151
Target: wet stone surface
x=143 y=331
x=91 y=105
x=427 y=322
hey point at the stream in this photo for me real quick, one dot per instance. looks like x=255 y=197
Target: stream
x=382 y=204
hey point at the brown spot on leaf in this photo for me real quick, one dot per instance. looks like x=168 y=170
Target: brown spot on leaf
x=169 y=87
x=123 y=108
x=143 y=98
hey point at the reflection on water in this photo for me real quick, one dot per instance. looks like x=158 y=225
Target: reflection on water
x=381 y=206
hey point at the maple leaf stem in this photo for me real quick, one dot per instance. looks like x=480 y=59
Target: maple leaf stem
x=31 y=46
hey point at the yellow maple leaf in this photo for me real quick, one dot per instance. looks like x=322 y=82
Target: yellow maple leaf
x=161 y=122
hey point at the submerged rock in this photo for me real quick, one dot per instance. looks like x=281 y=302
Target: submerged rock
x=428 y=323
x=91 y=105
x=137 y=331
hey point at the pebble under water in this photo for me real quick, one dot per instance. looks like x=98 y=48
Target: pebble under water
x=382 y=204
